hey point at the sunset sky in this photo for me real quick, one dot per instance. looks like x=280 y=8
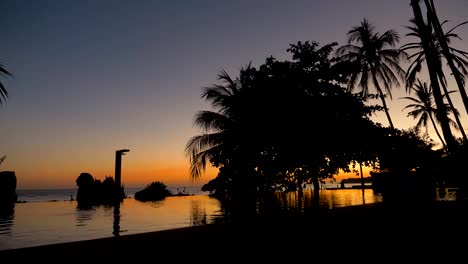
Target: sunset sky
x=92 y=77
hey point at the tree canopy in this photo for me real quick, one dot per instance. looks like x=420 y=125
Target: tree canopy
x=284 y=124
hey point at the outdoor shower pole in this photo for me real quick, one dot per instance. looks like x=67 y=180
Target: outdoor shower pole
x=118 y=165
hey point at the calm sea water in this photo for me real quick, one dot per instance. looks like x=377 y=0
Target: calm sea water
x=48 y=195
x=39 y=223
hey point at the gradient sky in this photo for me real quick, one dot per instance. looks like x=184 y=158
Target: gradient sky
x=92 y=77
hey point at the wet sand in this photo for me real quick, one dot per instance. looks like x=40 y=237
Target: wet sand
x=376 y=232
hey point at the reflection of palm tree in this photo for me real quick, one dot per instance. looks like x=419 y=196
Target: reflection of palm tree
x=198 y=216
x=420 y=57
x=423 y=108
x=376 y=62
x=3 y=91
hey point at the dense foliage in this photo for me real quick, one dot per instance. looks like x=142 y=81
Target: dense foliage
x=153 y=192
x=92 y=191
x=285 y=124
x=295 y=122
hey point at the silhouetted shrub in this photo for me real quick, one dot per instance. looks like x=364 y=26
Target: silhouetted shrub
x=93 y=192
x=153 y=192
x=108 y=191
x=86 y=189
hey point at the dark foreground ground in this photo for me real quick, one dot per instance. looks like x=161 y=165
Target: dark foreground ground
x=376 y=233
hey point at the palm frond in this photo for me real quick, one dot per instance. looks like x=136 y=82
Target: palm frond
x=455 y=27
x=417 y=102
x=389 y=37
x=3 y=91
x=200 y=149
x=209 y=120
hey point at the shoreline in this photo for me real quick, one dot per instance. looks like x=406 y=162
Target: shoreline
x=379 y=228
x=69 y=194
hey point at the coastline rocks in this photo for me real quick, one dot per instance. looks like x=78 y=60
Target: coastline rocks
x=8 y=196
x=86 y=188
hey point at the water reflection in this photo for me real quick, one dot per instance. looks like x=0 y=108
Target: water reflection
x=116 y=223
x=156 y=204
x=42 y=223
x=198 y=214
x=84 y=215
x=301 y=201
x=348 y=197
x=7 y=216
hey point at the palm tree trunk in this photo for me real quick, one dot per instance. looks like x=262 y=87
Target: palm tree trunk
x=454 y=111
x=446 y=51
x=382 y=97
x=431 y=56
x=437 y=132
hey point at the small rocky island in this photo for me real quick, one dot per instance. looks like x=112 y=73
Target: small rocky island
x=155 y=191
x=158 y=191
x=8 y=196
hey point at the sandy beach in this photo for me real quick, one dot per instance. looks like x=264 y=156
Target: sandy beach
x=369 y=231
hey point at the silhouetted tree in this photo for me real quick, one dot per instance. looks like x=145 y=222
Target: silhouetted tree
x=431 y=55
x=419 y=58
x=376 y=61
x=108 y=192
x=408 y=166
x=3 y=90
x=226 y=140
x=423 y=108
x=86 y=194
x=280 y=127
x=92 y=191
x=455 y=58
x=3 y=94
x=153 y=192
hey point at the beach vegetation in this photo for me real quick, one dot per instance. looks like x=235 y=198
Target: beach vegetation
x=153 y=192
x=92 y=191
x=376 y=61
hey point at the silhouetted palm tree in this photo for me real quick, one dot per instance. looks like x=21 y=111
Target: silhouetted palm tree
x=377 y=61
x=3 y=90
x=455 y=58
x=423 y=108
x=420 y=57
x=219 y=141
x=432 y=59
x=3 y=94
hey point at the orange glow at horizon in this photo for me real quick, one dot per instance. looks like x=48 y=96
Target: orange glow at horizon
x=171 y=176
x=134 y=174
x=343 y=175
x=48 y=177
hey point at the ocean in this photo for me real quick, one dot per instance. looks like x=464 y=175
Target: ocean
x=52 y=216
x=41 y=223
